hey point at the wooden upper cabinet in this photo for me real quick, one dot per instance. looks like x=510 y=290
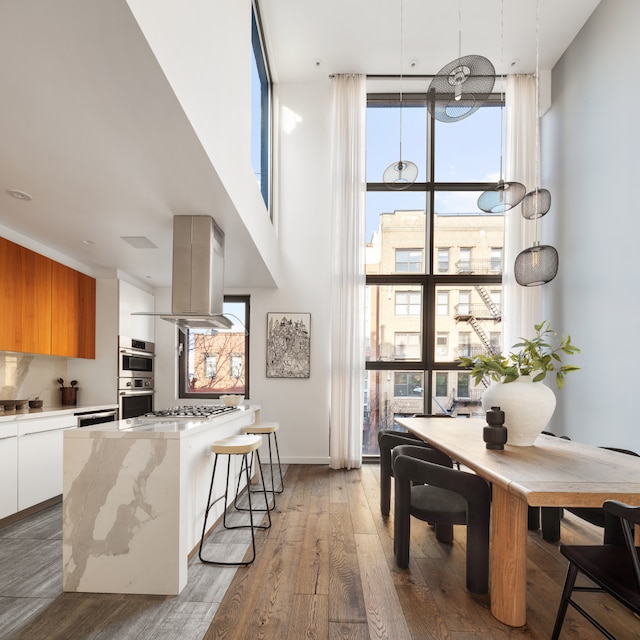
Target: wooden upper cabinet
x=25 y=293
x=73 y=313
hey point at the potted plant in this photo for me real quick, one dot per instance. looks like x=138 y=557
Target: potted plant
x=528 y=405
x=68 y=395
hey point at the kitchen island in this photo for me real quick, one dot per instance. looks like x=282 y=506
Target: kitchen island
x=133 y=501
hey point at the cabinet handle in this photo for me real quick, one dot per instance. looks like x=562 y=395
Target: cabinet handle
x=8 y=437
x=32 y=433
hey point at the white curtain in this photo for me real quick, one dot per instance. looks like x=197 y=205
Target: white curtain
x=347 y=277
x=522 y=306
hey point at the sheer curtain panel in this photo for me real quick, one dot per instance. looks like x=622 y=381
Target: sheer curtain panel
x=522 y=305
x=347 y=276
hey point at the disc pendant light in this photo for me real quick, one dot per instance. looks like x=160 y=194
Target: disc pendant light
x=538 y=264
x=461 y=87
x=505 y=195
x=403 y=173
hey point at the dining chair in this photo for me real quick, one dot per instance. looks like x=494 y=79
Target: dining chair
x=613 y=568
x=551 y=516
x=387 y=440
x=427 y=487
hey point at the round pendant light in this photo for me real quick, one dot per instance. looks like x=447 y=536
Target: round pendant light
x=536 y=265
x=504 y=196
x=400 y=175
x=536 y=203
x=460 y=88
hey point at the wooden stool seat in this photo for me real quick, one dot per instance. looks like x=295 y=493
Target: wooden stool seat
x=238 y=444
x=262 y=427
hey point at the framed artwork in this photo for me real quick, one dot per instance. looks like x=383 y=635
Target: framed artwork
x=288 y=345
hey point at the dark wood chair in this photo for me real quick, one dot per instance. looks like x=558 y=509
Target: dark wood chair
x=427 y=487
x=613 y=568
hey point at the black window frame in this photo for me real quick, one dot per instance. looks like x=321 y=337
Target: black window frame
x=183 y=391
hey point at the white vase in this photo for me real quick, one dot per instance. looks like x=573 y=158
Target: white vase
x=527 y=405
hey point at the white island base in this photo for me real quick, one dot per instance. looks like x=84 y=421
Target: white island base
x=133 y=502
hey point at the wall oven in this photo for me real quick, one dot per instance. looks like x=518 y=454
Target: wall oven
x=135 y=358
x=135 y=377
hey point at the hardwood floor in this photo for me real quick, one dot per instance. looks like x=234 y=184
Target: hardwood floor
x=325 y=570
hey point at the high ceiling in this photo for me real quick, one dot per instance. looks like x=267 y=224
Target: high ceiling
x=101 y=160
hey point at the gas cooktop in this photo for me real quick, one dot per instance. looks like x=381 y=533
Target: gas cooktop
x=190 y=412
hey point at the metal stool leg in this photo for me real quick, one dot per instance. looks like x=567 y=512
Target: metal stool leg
x=244 y=467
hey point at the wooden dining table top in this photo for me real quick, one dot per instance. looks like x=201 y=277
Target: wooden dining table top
x=552 y=472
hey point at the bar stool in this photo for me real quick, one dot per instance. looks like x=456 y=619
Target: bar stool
x=270 y=430
x=243 y=445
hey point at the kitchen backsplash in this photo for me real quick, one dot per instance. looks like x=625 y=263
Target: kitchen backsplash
x=24 y=376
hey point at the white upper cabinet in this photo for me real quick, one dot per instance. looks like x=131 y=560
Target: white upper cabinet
x=132 y=299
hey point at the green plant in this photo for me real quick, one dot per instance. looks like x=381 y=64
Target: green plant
x=535 y=357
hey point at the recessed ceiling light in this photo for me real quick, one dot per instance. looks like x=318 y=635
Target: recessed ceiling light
x=20 y=195
x=139 y=242
x=88 y=242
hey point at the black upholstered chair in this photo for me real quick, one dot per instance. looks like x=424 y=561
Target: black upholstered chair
x=387 y=440
x=427 y=487
x=614 y=568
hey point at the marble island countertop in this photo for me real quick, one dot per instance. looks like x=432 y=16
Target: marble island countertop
x=157 y=428
x=134 y=498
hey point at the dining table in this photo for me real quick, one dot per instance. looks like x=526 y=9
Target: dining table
x=553 y=472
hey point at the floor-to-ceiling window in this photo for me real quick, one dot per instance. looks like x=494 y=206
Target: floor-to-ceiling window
x=434 y=261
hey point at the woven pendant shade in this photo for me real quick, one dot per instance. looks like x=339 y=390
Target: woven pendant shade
x=460 y=88
x=536 y=265
x=504 y=196
x=536 y=203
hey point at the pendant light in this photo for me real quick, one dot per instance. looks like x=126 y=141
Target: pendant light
x=505 y=195
x=538 y=264
x=461 y=87
x=403 y=173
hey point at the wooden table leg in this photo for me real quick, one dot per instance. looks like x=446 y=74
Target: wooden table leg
x=508 y=558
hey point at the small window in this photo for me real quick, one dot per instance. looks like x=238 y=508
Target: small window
x=212 y=363
x=407 y=346
x=210 y=366
x=443 y=303
x=496 y=259
x=406 y=385
x=442 y=343
x=408 y=260
x=464 y=263
x=408 y=303
x=443 y=260
x=442 y=384
x=464 y=302
x=463 y=385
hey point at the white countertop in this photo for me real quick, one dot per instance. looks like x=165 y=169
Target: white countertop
x=45 y=412
x=165 y=428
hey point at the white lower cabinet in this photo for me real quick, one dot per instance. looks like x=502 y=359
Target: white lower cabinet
x=8 y=470
x=40 y=458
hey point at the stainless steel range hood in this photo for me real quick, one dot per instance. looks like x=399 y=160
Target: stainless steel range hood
x=197 y=288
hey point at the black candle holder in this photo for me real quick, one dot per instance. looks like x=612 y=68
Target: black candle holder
x=495 y=434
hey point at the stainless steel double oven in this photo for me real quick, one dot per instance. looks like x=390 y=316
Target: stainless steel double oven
x=135 y=377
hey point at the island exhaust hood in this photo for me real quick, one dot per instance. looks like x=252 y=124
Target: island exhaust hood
x=197 y=287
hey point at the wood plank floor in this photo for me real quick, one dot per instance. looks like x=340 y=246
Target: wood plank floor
x=325 y=570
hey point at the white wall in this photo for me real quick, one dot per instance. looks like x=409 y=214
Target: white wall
x=301 y=406
x=590 y=161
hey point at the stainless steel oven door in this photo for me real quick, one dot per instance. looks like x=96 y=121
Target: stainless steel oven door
x=134 y=403
x=135 y=358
